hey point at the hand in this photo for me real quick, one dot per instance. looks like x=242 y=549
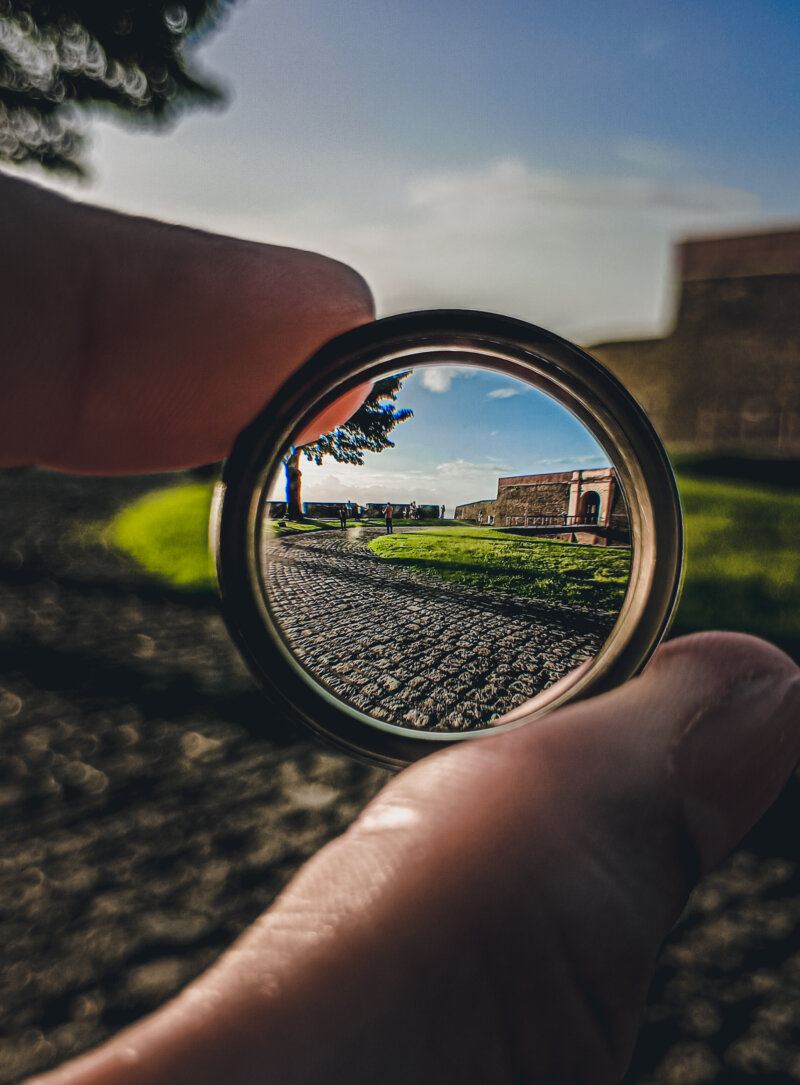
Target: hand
x=495 y=914
x=131 y=345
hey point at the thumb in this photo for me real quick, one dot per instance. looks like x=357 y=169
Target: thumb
x=496 y=913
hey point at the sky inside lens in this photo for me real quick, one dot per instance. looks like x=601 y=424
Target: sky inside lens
x=470 y=427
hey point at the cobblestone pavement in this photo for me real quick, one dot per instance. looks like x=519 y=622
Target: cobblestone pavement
x=152 y=804
x=412 y=649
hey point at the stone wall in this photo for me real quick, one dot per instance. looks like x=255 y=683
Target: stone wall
x=727 y=378
x=548 y=499
x=322 y=510
x=427 y=512
x=534 y=480
x=475 y=510
x=775 y=253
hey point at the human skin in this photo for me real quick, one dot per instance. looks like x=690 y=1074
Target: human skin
x=495 y=914
x=132 y=345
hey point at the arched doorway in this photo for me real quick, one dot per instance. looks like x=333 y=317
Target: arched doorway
x=589 y=510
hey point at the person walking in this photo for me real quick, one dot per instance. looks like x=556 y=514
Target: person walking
x=388 y=513
x=342 y=517
x=442 y=513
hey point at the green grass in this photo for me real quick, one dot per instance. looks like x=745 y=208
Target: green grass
x=166 y=532
x=295 y=527
x=743 y=559
x=590 y=576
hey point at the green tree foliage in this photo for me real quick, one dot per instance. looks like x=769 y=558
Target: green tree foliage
x=59 y=57
x=366 y=431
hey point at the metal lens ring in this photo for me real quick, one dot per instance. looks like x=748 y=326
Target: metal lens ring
x=558 y=373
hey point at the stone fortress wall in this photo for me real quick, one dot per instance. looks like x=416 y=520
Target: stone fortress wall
x=726 y=379
x=570 y=500
x=542 y=495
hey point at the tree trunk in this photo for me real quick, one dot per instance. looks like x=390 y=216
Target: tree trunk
x=294 y=510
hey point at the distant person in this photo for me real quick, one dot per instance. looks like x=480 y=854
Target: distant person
x=342 y=517
x=388 y=513
x=349 y=510
x=441 y=514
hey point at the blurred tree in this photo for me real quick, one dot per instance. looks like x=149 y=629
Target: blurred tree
x=367 y=431
x=58 y=57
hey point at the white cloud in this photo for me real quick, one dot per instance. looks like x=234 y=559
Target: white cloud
x=437 y=378
x=586 y=256
x=463 y=468
x=504 y=393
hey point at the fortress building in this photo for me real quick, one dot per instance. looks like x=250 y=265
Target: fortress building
x=577 y=506
x=726 y=380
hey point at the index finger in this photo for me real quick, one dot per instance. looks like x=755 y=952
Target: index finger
x=135 y=346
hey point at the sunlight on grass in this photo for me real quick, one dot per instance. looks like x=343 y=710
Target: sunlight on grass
x=743 y=558
x=292 y=527
x=166 y=531
x=492 y=561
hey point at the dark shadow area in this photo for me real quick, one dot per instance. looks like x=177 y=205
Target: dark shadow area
x=176 y=694
x=152 y=801
x=762 y=472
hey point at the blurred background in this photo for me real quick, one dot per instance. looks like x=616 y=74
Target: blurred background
x=624 y=174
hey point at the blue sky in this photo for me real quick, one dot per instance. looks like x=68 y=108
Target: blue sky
x=533 y=157
x=470 y=427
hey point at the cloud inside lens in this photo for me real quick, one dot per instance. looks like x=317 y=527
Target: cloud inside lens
x=504 y=393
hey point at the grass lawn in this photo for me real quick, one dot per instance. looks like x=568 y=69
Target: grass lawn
x=591 y=576
x=166 y=531
x=743 y=550
x=296 y=527
x=743 y=559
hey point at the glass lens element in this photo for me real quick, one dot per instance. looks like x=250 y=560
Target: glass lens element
x=459 y=549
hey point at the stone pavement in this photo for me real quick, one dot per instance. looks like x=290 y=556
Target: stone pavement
x=152 y=803
x=412 y=649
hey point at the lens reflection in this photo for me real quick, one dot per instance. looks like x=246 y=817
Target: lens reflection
x=452 y=553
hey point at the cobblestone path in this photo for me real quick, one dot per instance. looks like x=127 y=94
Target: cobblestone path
x=153 y=803
x=412 y=649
